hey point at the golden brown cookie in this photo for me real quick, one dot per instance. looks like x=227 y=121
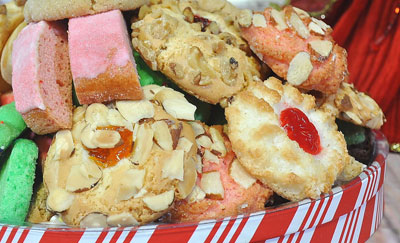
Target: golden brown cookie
x=122 y=164
x=38 y=212
x=281 y=138
x=298 y=48
x=196 y=45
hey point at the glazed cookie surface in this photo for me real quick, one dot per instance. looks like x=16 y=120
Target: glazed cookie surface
x=224 y=188
x=290 y=146
x=122 y=164
x=298 y=48
x=197 y=45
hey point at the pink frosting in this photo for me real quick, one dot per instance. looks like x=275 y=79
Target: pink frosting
x=97 y=42
x=25 y=68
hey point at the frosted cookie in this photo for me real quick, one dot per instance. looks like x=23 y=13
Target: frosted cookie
x=289 y=145
x=353 y=106
x=41 y=77
x=102 y=63
x=37 y=10
x=124 y=164
x=196 y=45
x=224 y=188
x=297 y=47
x=11 y=125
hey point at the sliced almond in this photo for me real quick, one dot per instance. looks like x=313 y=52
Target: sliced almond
x=150 y=91
x=240 y=175
x=180 y=109
x=196 y=195
x=83 y=176
x=189 y=179
x=299 y=68
x=211 y=184
x=87 y=136
x=199 y=164
x=303 y=14
x=79 y=113
x=173 y=165
x=168 y=93
x=322 y=47
x=184 y=144
x=162 y=135
x=197 y=128
x=210 y=157
x=259 y=21
x=130 y=184
x=279 y=18
x=97 y=114
x=204 y=141
x=315 y=28
x=143 y=144
x=64 y=145
x=320 y=23
x=106 y=138
x=121 y=220
x=77 y=130
x=299 y=26
x=59 y=200
x=218 y=141
x=115 y=118
x=160 y=202
x=135 y=110
x=94 y=220
x=245 y=18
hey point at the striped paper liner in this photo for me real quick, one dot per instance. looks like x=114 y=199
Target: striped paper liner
x=351 y=213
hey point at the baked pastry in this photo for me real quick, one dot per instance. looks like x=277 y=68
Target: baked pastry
x=196 y=45
x=11 y=125
x=41 y=77
x=37 y=10
x=290 y=146
x=38 y=212
x=102 y=63
x=297 y=48
x=124 y=164
x=224 y=188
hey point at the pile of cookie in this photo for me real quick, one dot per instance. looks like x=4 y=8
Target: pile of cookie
x=136 y=134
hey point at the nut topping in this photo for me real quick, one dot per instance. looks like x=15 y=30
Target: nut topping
x=130 y=184
x=188 y=13
x=320 y=23
x=259 y=21
x=299 y=26
x=303 y=14
x=208 y=156
x=179 y=109
x=115 y=118
x=97 y=114
x=79 y=113
x=59 y=200
x=240 y=175
x=64 y=145
x=315 y=28
x=218 y=141
x=197 y=128
x=196 y=195
x=83 y=176
x=245 y=18
x=134 y=111
x=122 y=219
x=143 y=144
x=106 y=138
x=212 y=185
x=279 y=18
x=299 y=68
x=204 y=141
x=322 y=47
x=94 y=220
x=189 y=179
x=184 y=144
x=173 y=165
x=160 y=202
x=162 y=135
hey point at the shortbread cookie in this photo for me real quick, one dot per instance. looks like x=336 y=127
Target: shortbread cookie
x=356 y=107
x=288 y=144
x=224 y=188
x=124 y=164
x=37 y=10
x=194 y=44
x=298 y=48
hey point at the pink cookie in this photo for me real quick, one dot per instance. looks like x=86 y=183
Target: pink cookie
x=101 y=59
x=41 y=77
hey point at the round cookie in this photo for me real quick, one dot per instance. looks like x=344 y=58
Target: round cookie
x=289 y=145
x=224 y=188
x=196 y=45
x=298 y=48
x=122 y=164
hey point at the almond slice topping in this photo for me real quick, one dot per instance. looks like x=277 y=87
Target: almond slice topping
x=212 y=185
x=320 y=23
x=210 y=157
x=259 y=21
x=322 y=47
x=64 y=145
x=160 y=202
x=279 y=18
x=315 y=28
x=179 y=109
x=299 y=68
x=299 y=26
x=97 y=114
x=143 y=144
x=162 y=135
x=218 y=141
x=122 y=219
x=59 y=200
x=130 y=184
x=135 y=110
x=173 y=165
x=240 y=175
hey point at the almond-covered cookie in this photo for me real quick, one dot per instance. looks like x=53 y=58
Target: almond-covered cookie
x=122 y=164
x=197 y=45
x=224 y=188
x=297 y=47
x=281 y=138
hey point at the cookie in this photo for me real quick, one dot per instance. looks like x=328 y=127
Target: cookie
x=196 y=45
x=297 y=47
x=224 y=188
x=124 y=164
x=11 y=125
x=289 y=145
x=16 y=181
x=38 y=212
x=50 y=10
x=351 y=105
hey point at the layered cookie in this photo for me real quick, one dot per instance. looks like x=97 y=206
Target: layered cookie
x=124 y=164
x=41 y=77
x=196 y=45
x=289 y=145
x=224 y=188
x=102 y=63
x=298 y=48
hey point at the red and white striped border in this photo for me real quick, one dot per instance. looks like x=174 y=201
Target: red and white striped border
x=351 y=213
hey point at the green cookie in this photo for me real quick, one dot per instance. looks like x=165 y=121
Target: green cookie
x=11 y=125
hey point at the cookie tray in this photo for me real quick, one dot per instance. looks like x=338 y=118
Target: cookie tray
x=349 y=213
